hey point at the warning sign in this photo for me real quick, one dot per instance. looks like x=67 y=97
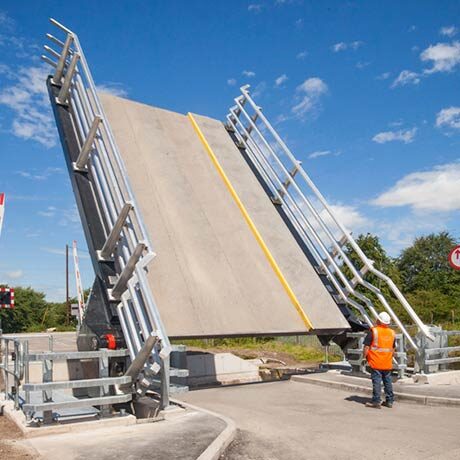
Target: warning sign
x=454 y=258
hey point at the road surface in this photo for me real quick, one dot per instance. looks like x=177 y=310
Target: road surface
x=292 y=421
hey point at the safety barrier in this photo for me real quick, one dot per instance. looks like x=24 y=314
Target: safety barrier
x=314 y=219
x=127 y=241
x=11 y=351
x=436 y=356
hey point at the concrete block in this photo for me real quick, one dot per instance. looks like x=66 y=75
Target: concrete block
x=223 y=368
x=440 y=378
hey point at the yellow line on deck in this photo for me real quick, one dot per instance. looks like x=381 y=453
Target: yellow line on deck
x=251 y=224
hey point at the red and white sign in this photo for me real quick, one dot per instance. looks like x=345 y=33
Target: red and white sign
x=454 y=258
x=2 y=210
x=6 y=298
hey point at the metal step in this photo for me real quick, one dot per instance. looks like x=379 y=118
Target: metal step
x=87 y=402
x=70 y=384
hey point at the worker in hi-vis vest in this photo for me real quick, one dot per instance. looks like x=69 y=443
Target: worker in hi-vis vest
x=379 y=348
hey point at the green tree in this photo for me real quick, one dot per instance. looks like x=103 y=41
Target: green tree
x=28 y=312
x=425 y=266
x=373 y=249
x=430 y=284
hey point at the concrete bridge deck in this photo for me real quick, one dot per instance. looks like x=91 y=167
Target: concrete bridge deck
x=226 y=262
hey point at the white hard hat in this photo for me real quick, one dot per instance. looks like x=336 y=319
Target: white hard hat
x=384 y=318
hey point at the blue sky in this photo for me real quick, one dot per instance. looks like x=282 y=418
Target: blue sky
x=365 y=94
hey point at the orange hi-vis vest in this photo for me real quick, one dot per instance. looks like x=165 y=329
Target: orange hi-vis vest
x=380 y=352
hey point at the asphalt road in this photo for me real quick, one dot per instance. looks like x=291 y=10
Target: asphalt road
x=290 y=420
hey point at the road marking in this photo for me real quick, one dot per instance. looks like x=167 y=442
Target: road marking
x=251 y=224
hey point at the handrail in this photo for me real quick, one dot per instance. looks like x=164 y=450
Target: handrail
x=18 y=366
x=250 y=131
x=101 y=157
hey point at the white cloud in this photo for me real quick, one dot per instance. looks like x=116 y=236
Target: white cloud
x=28 y=99
x=43 y=175
x=259 y=89
x=443 y=57
x=113 y=88
x=308 y=99
x=255 y=8
x=56 y=251
x=342 y=46
x=384 y=76
x=281 y=79
x=14 y=274
x=61 y=252
x=6 y=22
x=69 y=216
x=406 y=77
x=350 y=217
x=448 y=118
x=231 y=82
x=322 y=153
x=448 y=31
x=400 y=233
x=436 y=190
x=361 y=65
x=406 y=136
x=319 y=153
x=248 y=73
x=49 y=212
x=302 y=55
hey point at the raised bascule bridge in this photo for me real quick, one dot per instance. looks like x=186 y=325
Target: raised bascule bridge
x=199 y=228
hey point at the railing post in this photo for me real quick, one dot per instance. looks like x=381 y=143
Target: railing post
x=65 y=88
x=61 y=63
x=6 y=369
x=47 y=370
x=165 y=382
x=83 y=156
x=104 y=389
x=26 y=377
x=16 y=374
x=122 y=283
x=109 y=246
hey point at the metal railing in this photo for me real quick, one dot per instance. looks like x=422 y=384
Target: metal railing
x=313 y=218
x=127 y=240
x=11 y=351
x=355 y=357
x=438 y=356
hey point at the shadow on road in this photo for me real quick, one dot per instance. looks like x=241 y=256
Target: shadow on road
x=357 y=399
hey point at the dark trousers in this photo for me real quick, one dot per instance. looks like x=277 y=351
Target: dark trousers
x=377 y=378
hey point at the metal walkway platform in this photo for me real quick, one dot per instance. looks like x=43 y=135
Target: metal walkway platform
x=211 y=277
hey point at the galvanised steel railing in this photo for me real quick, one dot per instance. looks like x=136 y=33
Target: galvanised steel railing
x=12 y=365
x=312 y=217
x=126 y=237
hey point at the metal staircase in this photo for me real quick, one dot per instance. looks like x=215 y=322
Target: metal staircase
x=121 y=310
x=314 y=222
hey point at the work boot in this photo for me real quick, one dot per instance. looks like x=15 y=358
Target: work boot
x=387 y=404
x=374 y=405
